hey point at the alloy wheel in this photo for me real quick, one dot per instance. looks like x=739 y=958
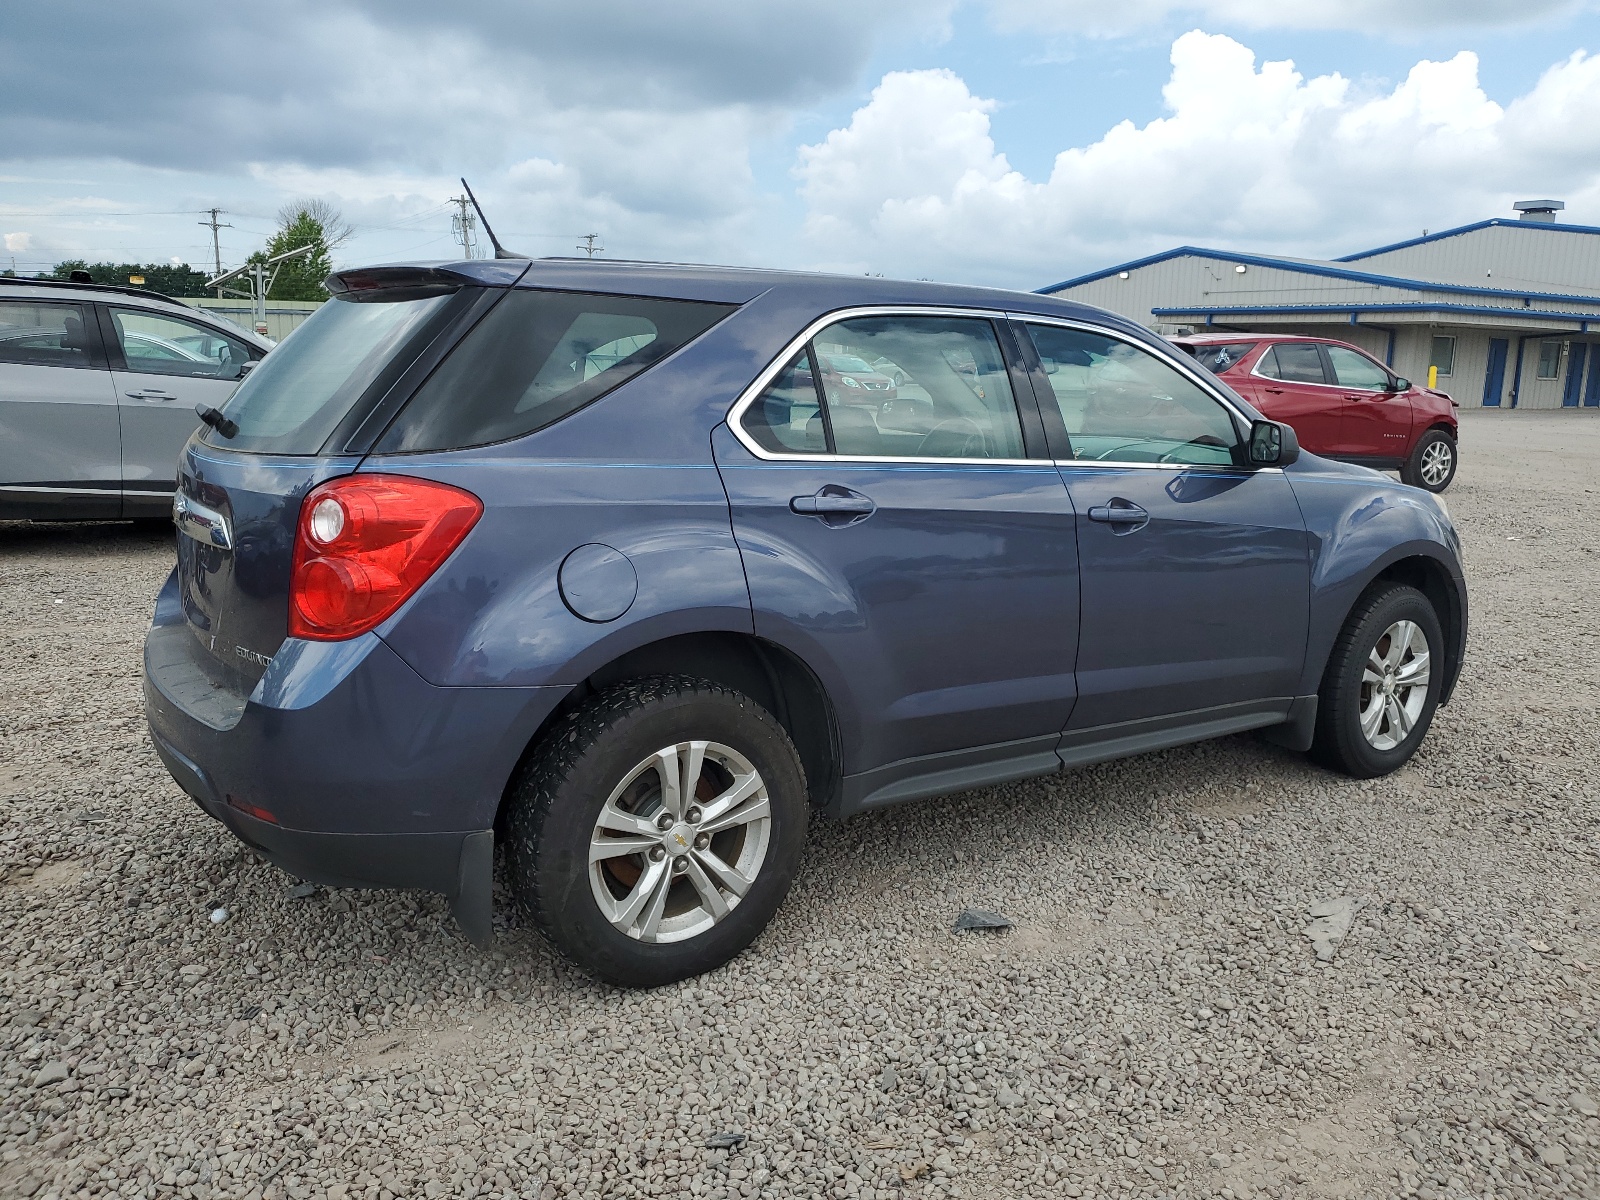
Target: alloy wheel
x=1394 y=685
x=680 y=841
x=1436 y=462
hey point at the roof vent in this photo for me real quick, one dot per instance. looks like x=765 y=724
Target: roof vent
x=1543 y=211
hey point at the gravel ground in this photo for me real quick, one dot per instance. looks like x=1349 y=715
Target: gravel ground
x=1157 y=1024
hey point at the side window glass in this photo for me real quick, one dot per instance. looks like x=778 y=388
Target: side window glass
x=539 y=356
x=1120 y=403
x=1357 y=370
x=786 y=417
x=154 y=344
x=45 y=335
x=1294 y=362
x=917 y=387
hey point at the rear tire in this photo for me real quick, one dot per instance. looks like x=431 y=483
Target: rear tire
x=664 y=899
x=1432 y=464
x=1381 y=686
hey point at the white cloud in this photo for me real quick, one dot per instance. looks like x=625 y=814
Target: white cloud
x=18 y=242
x=1096 y=18
x=1257 y=157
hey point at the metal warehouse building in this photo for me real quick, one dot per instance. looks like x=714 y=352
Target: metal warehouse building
x=1503 y=308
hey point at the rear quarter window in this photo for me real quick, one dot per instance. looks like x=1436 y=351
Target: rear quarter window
x=1219 y=358
x=538 y=356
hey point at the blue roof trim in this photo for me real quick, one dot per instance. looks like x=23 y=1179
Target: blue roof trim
x=1261 y=310
x=1330 y=272
x=1473 y=228
x=1129 y=266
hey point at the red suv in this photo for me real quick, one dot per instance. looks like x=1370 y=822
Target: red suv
x=1341 y=402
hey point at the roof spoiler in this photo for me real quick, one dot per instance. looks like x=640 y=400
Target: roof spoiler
x=361 y=282
x=499 y=250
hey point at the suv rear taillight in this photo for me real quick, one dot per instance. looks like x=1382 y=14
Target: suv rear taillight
x=365 y=544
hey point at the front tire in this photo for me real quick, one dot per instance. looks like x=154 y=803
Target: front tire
x=1381 y=686
x=1432 y=464
x=658 y=829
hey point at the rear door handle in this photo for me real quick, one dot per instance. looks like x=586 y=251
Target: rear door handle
x=1120 y=512
x=834 y=505
x=1274 y=391
x=150 y=394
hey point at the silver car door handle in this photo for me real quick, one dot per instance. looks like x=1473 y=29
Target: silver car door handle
x=150 y=394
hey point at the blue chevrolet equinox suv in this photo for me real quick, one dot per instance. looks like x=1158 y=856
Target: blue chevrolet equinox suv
x=614 y=566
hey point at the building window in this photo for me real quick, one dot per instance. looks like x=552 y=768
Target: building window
x=1444 y=355
x=1549 y=359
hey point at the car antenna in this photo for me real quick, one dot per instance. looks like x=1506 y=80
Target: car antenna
x=499 y=250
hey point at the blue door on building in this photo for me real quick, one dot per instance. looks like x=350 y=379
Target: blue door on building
x=1494 y=383
x=1572 y=390
x=1591 y=391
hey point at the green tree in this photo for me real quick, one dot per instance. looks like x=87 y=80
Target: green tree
x=169 y=280
x=312 y=223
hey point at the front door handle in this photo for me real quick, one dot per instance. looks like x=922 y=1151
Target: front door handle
x=150 y=394
x=1124 y=516
x=1273 y=390
x=834 y=505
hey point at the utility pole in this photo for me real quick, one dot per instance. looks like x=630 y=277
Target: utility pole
x=589 y=247
x=464 y=225
x=216 y=243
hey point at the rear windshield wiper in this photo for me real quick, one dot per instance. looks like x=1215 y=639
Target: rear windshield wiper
x=214 y=418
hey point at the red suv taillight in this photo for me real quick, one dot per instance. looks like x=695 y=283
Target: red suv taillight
x=365 y=544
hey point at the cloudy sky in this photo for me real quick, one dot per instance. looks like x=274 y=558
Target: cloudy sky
x=1014 y=142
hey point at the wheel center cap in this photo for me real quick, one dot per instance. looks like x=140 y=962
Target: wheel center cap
x=679 y=838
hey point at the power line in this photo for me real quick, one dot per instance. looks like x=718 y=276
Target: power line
x=70 y=212
x=589 y=247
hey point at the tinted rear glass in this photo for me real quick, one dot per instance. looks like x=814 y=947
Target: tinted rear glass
x=538 y=356
x=1293 y=362
x=1218 y=359
x=294 y=400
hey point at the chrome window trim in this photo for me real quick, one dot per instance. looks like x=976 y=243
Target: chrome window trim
x=770 y=372
x=1114 y=464
x=1332 y=387
x=1293 y=382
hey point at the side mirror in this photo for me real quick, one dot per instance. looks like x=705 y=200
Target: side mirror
x=1400 y=384
x=1272 y=444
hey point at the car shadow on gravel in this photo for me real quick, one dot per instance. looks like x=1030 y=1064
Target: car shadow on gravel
x=57 y=536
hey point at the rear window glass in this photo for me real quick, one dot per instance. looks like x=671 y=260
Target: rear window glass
x=294 y=400
x=46 y=335
x=538 y=356
x=1293 y=362
x=1218 y=359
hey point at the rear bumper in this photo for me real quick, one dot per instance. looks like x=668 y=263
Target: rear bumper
x=343 y=766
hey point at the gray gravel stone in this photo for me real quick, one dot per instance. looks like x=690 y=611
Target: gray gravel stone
x=1154 y=1011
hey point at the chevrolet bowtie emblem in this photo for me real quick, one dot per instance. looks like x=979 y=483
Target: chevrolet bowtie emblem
x=678 y=837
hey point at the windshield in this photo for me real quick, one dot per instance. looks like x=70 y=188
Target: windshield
x=845 y=362
x=294 y=400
